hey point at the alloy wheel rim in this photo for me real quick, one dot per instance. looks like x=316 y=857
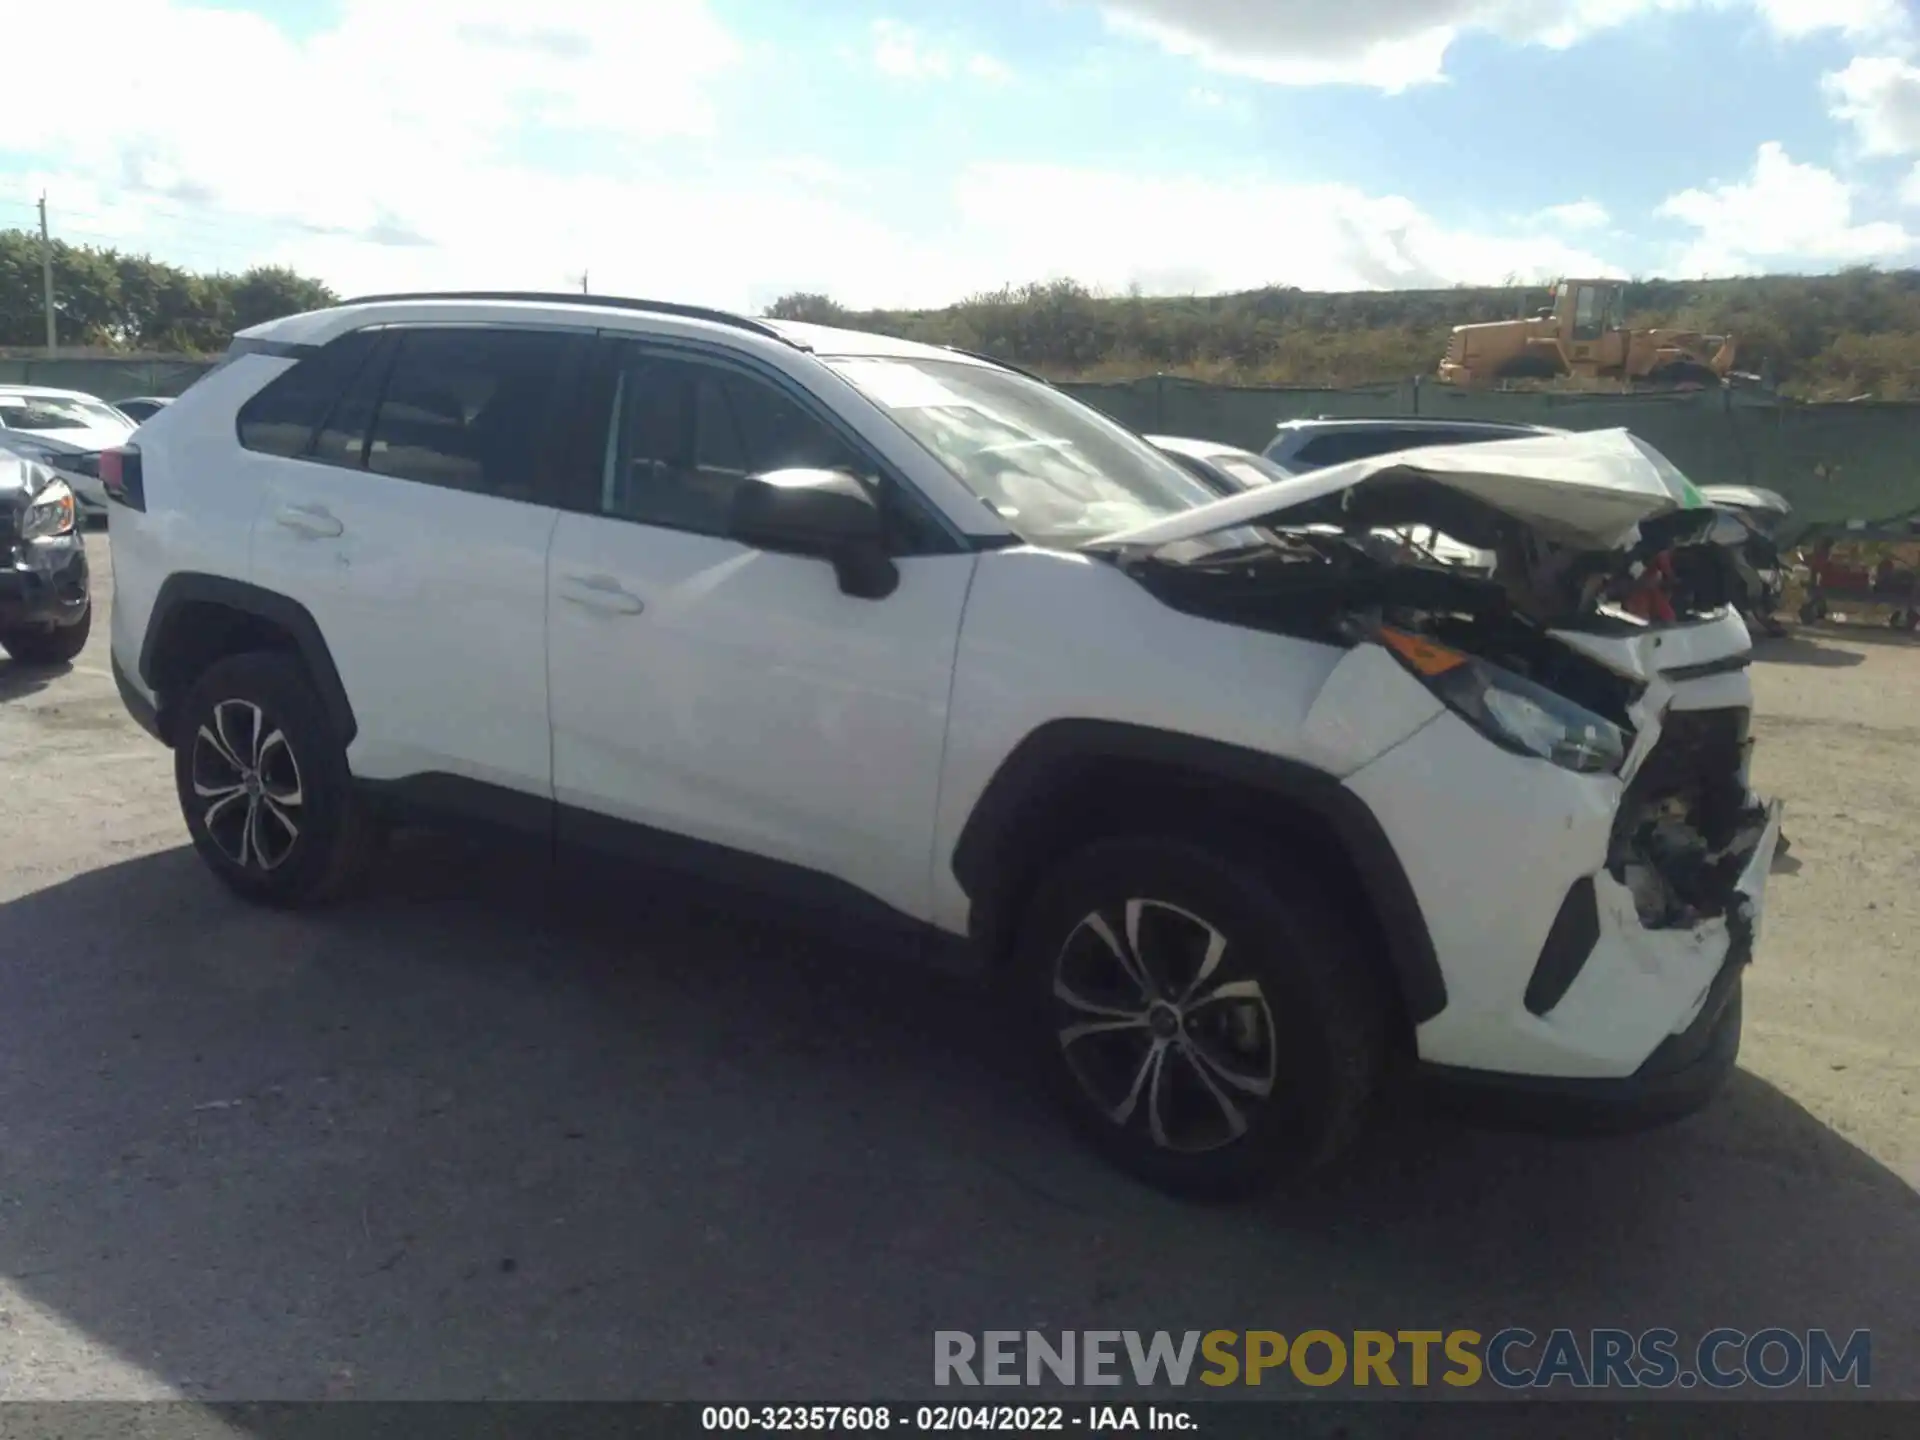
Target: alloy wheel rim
x=1161 y=1027
x=247 y=784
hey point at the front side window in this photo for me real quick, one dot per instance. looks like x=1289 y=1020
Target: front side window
x=685 y=434
x=1057 y=472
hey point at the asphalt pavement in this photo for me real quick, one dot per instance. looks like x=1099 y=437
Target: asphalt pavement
x=497 y=1129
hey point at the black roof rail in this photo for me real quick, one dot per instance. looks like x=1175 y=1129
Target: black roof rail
x=605 y=302
x=1003 y=364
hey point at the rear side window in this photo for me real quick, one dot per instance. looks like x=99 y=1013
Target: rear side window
x=466 y=409
x=282 y=418
x=1345 y=445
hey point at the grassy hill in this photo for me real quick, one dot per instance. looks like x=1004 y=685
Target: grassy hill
x=1827 y=337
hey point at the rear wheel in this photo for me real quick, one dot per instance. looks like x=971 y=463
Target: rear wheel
x=1209 y=1023
x=264 y=786
x=1683 y=372
x=57 y=645
x=1527 y=366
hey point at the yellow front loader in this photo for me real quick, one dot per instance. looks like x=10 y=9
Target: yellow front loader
x=1584 y=335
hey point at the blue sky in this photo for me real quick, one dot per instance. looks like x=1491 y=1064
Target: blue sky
x=906 y=152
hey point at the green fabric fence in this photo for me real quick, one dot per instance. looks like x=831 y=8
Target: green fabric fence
x=1834 y=463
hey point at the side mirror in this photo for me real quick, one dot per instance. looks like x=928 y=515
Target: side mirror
x=825 y=514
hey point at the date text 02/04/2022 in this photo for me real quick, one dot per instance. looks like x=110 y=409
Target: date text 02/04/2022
x=938 y=1419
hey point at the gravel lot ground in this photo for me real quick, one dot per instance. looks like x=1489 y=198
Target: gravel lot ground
x=496 y=1131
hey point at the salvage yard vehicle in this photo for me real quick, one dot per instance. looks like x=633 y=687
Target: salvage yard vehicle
x=65 y=431
x=142 y=407
x=1584 y=334
x=1763 y=567
x=1302 y=445
x=46 y=609
x=1223 y=469
x=1227 y=470
x=1246 y=817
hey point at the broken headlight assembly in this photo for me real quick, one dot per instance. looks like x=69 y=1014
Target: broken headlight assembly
x=1510 y=709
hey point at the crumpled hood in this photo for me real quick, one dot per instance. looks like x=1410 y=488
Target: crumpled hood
x=1588 y=490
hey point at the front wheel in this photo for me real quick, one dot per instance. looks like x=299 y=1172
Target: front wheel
x=264 y=786
x=57 y=645
x=1209 y=1022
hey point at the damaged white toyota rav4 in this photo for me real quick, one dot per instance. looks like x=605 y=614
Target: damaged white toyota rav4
x=1252 y=803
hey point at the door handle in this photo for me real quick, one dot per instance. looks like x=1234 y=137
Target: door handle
x=600 y=592
x=314 y=521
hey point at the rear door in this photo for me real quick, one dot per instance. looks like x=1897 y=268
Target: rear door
x=413 y=524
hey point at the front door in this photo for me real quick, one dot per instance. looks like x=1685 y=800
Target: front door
x=707 y=692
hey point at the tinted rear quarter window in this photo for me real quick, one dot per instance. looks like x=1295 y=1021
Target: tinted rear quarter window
x=282 y=417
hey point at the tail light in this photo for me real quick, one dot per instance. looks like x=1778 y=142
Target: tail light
x=120 y=477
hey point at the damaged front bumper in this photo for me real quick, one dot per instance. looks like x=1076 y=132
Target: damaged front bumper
x=1682 y=1074
x=1570 y=992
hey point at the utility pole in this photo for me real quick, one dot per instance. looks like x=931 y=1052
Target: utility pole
x=46 y=276
x=583 y=284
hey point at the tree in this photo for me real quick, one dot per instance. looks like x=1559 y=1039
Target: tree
x=110 y=299
x=808 y=308
x=269 y=291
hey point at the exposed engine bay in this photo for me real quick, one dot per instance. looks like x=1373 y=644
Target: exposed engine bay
x=1485 y=609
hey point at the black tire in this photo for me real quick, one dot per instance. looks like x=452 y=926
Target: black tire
x=1313 y=1026
x=1528 y=366
x=55 y=646
x=1683 y=372
x=299 y=775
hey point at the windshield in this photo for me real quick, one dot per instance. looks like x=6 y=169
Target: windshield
x=1056 y=471
x=53 y=412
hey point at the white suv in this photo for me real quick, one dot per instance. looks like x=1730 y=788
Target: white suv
x=1246 y=807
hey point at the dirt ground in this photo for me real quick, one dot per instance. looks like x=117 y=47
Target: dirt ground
x=493 y=1131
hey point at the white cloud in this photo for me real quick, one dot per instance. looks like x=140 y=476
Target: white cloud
x=394 y=153
x=1910 y=188
x=1880 y=97
x=1580 y=215
x=411 y=147
x=1394 y=44
x=1853 y=18
x=1784 y=211
x=393 y=115
x=1116 y=229
x=904 y=53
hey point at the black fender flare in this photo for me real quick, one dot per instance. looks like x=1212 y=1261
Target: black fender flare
x=288 y=615
x=1057 y=749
